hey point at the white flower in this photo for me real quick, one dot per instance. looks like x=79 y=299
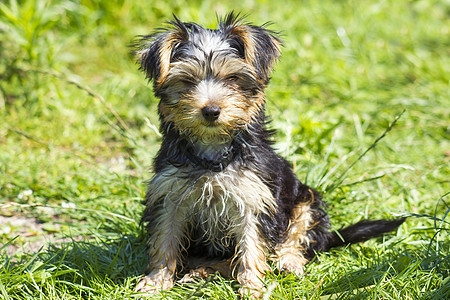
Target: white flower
x=68 y=204
x=24 y=194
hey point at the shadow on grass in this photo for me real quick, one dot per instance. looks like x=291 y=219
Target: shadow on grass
x=114 y=258
x=98 y=266
x=108 y=266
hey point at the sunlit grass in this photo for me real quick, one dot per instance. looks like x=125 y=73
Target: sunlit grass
x=77 y=136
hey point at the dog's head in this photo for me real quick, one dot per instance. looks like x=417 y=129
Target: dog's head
x=210 y=82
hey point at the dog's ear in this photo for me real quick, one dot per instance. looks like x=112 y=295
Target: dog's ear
x=154 y=52
x=259 y=46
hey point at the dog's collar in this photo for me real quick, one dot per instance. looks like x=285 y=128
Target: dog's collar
x=212 y=164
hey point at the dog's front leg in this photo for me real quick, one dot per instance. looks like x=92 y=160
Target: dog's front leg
x=252 y=257
x=164 y=251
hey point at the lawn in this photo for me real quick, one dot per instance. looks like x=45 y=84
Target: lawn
x=360 y=100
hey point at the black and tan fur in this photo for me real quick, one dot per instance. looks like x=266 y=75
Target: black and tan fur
x=220 y=191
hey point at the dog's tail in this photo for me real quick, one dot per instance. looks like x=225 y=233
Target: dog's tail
x=361 y=231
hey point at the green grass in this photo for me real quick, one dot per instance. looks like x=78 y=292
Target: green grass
x=77 y=136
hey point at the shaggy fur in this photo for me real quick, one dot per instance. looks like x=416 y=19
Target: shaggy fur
x=220 y=193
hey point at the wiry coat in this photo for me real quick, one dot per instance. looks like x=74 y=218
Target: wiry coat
x=219 y=189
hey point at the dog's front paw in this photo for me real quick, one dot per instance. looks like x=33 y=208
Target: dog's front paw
x=252 y=284
x=251 y=291
x=292 y=263
x=155 y=282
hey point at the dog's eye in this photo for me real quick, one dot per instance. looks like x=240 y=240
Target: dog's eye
x=188 y=81
x=232 y=78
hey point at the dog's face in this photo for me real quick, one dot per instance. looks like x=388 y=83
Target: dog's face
x=210 y=82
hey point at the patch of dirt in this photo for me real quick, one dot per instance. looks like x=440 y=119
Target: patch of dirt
x=31 y=234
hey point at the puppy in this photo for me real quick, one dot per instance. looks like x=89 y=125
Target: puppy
x=220 y=192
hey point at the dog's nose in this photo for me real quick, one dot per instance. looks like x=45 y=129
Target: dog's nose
x=211 y=113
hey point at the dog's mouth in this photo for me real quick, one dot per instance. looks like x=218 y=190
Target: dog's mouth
x=211 y=124
x=210 y=133
x=215 y=123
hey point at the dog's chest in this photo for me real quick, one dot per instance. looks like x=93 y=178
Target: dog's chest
x=216 y=203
